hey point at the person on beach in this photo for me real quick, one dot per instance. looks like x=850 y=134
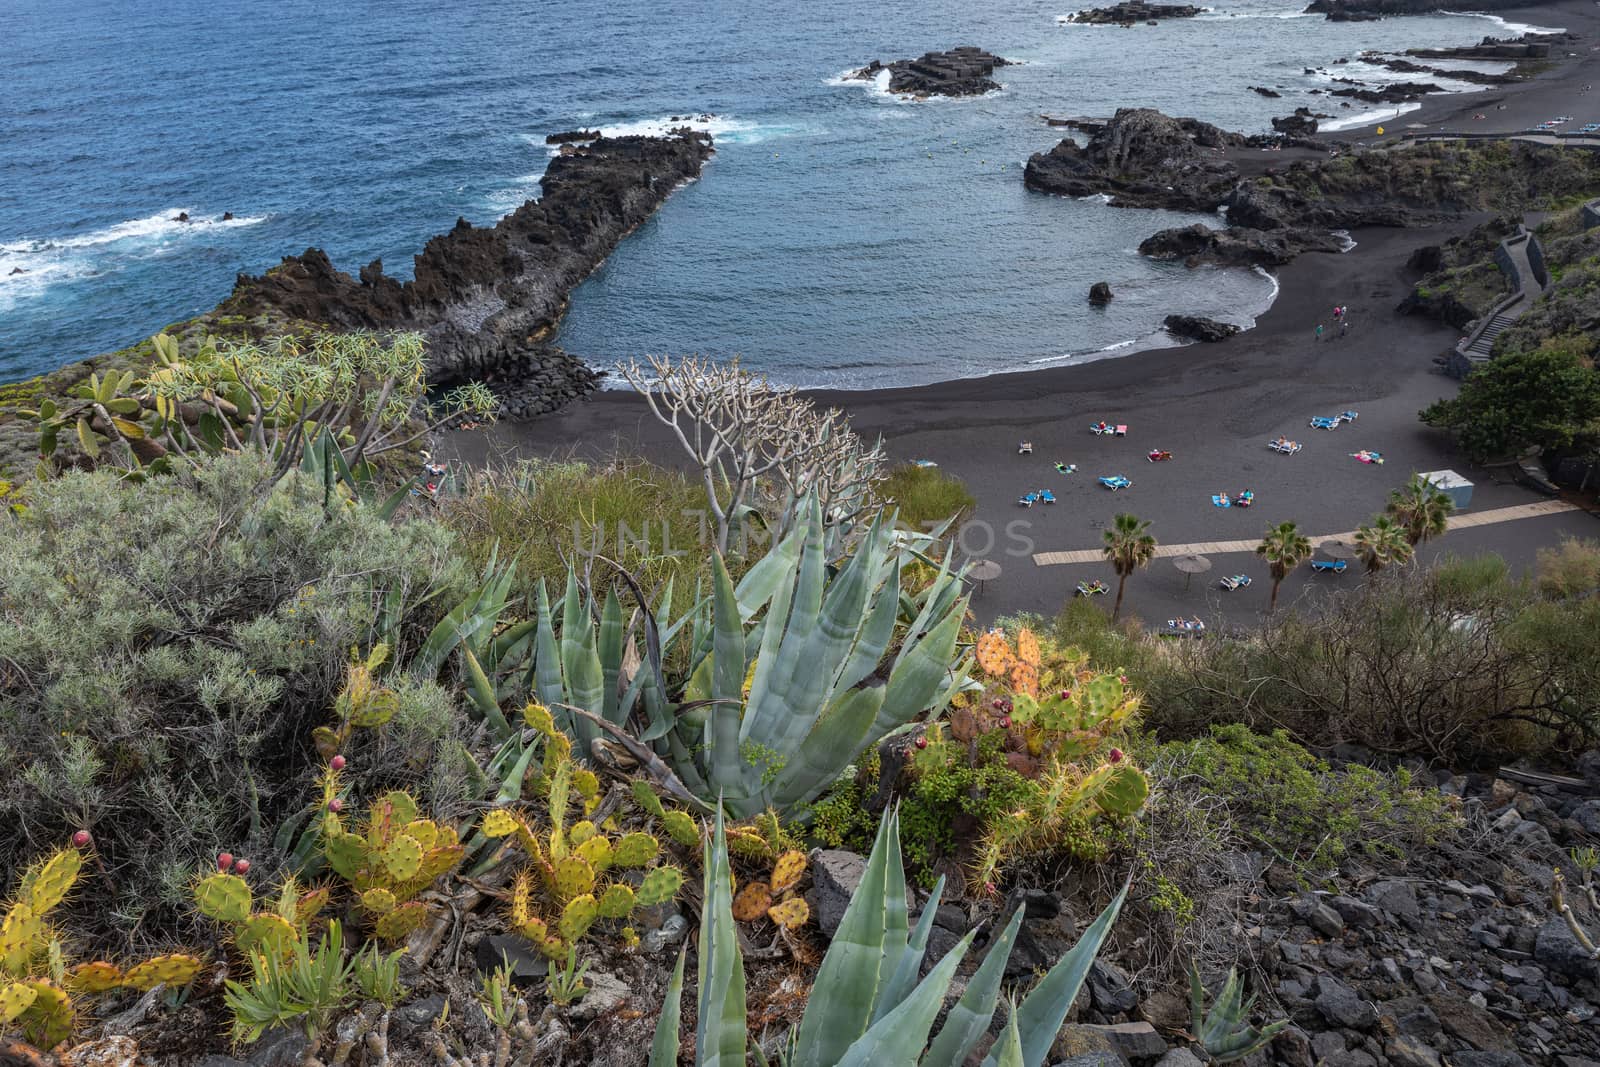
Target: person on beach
x=1319 y=331
x=1344 y=327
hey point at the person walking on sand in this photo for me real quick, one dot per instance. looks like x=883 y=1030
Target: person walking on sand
x=1344 y=326
x=1319 y=331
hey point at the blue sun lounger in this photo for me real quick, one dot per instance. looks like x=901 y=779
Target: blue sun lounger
x=1028 y=500
x=1237 y=581
x=1321 y=422
x=1046 y=497
x=1222 y=500
x=1114 y=482
x=1348 y=416
x=1330 y=566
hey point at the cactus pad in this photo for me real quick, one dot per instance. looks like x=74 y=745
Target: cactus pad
x=498 y=822
x=752 y=902
x=435 y=861
x=1124 y=792
x=310 y=904
x=994 y=654
x=792 y=913
x=94 y=977
x=635 y=850
x=581 y=831
x=553 y=948
x=1028 y=647
x=587 y=786
x=378 y=901
x=1101 y=698
x=571 y=877
x=15 y=998
x=597 y=852
x=681 y=827
x=616 y=901
x=537 y=716
x=576 y=918
x=659 y=886
x=48 y=1020
x=265 y=932
x=787 y=870
x=47 y=885
x=346 y=853
x=21 y=938
x=521 y=897
x=172 y=971
x=646 y=798
x=402 y=922
x=223 y=897
x=401 y=857
x=533 y=928
x=424 y=832
x=1025 y=678
x=374 y=709
x=401 y=804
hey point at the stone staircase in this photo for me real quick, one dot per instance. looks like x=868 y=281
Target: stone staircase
x=1513 y=258
x=1484 y=341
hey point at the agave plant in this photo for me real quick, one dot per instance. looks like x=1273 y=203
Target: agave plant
x=1225 y=1031
x=867 y=1006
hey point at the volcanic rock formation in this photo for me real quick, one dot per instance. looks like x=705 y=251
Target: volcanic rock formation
x=963 y=71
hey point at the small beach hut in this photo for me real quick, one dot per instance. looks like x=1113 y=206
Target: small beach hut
x=1452 y=485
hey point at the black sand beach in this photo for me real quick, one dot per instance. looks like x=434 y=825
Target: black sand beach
x=1214 y=406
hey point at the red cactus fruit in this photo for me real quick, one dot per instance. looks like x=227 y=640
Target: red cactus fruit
x=1005 y=722
x=225 y=861
x=336 y=805
x=1066 y=694
x=81 y=839
x=1115 y=755
x=241 y=867
x=922 y=742
x=337 y=763
x=997 y=703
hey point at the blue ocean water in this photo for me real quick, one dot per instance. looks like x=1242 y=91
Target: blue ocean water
x=840 y=236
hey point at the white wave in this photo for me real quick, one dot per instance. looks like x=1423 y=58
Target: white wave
x=1346 y=242
x=878 y=84
x=724 y=129
x=1272 y=280
x=1211 y=16
x=1094 y=198
x=1092 y=354
x=161 y=225
x=1369 y=117
x=1512 y=29
x=1371 y=74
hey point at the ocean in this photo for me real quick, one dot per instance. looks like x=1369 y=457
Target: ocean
x=840 y=237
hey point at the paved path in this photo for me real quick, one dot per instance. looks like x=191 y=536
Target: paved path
x=1218 y=548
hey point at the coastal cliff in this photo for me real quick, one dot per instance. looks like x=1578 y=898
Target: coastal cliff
x=487 y=298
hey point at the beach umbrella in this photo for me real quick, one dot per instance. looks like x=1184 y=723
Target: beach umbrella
x=1339 y=549
x=1191 y=565
x=983 y=570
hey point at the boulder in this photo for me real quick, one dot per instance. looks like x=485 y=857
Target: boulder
x=1111 y=989
x=1196 y=328
x=963 y=71
x=1100 y=294
x=1558 y=950
x=1141 y=158
x=835 y=875
x=1343 y=1006
x=1134 y=11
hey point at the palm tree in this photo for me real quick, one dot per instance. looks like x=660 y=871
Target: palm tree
x=1284 y=548
x=1128 y=547
x=1383 y=543
x=1422 y=508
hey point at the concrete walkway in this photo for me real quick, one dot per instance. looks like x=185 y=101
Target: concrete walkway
x=1219 y=548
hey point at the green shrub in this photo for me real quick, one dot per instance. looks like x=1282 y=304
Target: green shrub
x=1285 y=800
x=1572 y=570
x=649 y=519
x=166 y=649
x=925 y=495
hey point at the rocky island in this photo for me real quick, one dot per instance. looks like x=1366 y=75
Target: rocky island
x=1133 y=11
x=962 y=71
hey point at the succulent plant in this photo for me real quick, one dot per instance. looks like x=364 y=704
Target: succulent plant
x=394 y=856
x=1225 y=1031
x=775 y=897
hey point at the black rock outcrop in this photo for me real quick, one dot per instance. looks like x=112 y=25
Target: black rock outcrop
x=1126 y=14
x=1528 y=46
x=488 y=298
x=1142 y=158
x=963 y=71
x=1237 y=246
x=1302 y=123
x=1100 y=294
x=1195 y=328
x=1409 y=7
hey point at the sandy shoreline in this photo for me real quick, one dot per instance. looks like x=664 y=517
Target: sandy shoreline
x=1213 y=406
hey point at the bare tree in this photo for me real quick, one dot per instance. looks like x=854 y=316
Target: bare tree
x=739 y=430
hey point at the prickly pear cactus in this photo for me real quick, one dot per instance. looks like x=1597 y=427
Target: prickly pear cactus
x=96 y=976
x=402 y=922
x=378 y=901
x=401 y=857
x=22 y=937
x=47 y=884
x=174 y=970
x=571 y=877
x=576 y=918
x=787 y=870
x=635 y=850
x=660 y=885
x=597 y=853
x=791 y=913
x=752 y=901
x=617 y=901
x=47 y=1021
x=265 y=932
x=1125 y=792
x=15 y=998
x=223 y=897
x=646 y=798
x=681 y=827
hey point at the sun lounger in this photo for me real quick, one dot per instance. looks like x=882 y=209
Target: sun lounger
x=1236 y=581
x=1094 y=588
x=1046 y=497
x=1066 y=468
x=1287 y=448
x=1366 y=455
x=1114 y=482
x=1156 y=455
x=1245 y=499
x=1348 y=416
x=1108 y=428
x=1028 y=500
x=1222 y=500
x=1320 y=422
x=1025 y=448
x=1329 y=566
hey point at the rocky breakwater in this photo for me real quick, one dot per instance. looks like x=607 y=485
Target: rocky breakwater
x=489 y=298
x=1407 y=7
x=1126 y=14
x=962 y=71
x=1528 y=46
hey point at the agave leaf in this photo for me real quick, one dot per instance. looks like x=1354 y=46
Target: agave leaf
x=727 y=686
x=664 y=1049
x=969 y=1019
x=772 y=630
x=548 y=681
x=895 y=938
x=473 y=616
x=919 y=672
x=904 y=977
x=720 y=1027
x=1042 y=1012
x=771 y=573
x=1010 y=1043
x=875 y=633
x=482 y=693
x=838 y=738
x=898 y=1038
x=610 y=653
x=846 y=985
